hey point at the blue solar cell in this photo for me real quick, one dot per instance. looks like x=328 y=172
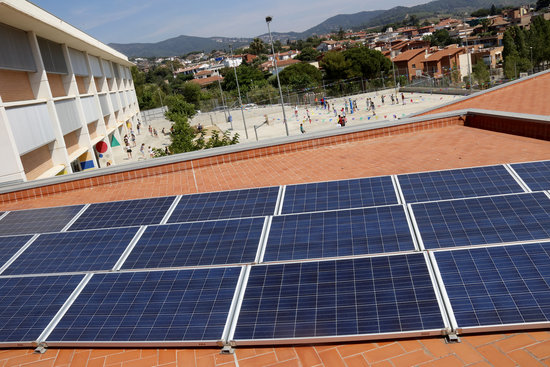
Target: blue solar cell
x=226 y=205
x=357 y=193
x=10 y=245
x=497 y=285
x=27 y=305
x=339 y=298
x=535 y=174
x=338 y=233
x=184 y=305
x=37 y=220
x=457 y=183
x=124 y=213
x=198 y=243
x=73 y=251
x=483 y=220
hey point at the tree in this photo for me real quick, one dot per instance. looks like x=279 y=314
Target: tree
x=481 y=13
x=494 y=10
x=248 y=77
x=441 y=38
x=335 y=65
x=257 y=46
x=366 y=63
x=541 y=4
x=480 y=72
x=192 y=93
x=301 y=76
x=308 y=54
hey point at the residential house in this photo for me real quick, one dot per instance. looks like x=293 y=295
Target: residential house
x=442 y=61
x=411 y=62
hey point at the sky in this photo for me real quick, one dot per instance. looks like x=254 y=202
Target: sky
x=130 y=21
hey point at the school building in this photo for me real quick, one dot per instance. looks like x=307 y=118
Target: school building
x=65 y=97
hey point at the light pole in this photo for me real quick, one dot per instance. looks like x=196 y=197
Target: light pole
x=393 y=68
x=238 y=91
x=268 y=19
x=532 y=65
x=223 y=104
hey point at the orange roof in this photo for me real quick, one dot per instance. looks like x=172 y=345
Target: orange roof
x=204 y=72
x=206 y=81
x=528 y=96
x=444 y=53
x=409 y=54
x=339 y=157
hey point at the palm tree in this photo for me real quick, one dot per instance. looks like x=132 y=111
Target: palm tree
x=257 y=46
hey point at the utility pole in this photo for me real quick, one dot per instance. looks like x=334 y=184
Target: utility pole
x=239 y=92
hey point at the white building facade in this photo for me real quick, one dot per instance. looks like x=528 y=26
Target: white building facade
x=65 y=98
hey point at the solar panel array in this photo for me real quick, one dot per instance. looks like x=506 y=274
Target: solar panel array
x=415 y=254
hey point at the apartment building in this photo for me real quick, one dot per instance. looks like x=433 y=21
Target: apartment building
x=65 y=98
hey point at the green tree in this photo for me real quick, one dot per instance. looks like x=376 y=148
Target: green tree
x=541 y=4
x=308 y=54
x=494 y=10
x=441 y=38
x=366 y=63
x=192 y=93
x=249 y=77
x=257 y=47
x=481 y=13
x=301 y=76
x=335 y=65
x=480 y=71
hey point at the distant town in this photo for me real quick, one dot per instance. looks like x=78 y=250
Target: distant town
x=447 y=50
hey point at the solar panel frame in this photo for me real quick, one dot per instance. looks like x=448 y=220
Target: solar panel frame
x=476 y=305
x=128 y=213
x=229 y=204
x=9 y=246
x=458 y=183
x=117 y=307
x=331 y=234
x=37 y=300
x=359 y=193
x=193 y=244
x=288 y=306
x=482 y=221
x=536 y=175
x=41 y=220
x=73 y=252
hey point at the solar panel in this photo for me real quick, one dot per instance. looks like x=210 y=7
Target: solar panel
x=37 y=220
x=339 y=233
x=535 y=174
x=73 y=251
x=10 y=245
x=357 y=193
x=486 y=220
x=124 y=213
x=160 y=306
x=226 y=205
x=27 y=305
x=198 y=243
x=497 y=285
x=457 y=183
x=344 y=298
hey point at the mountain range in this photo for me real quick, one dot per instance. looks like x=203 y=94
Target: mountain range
x=182 y=45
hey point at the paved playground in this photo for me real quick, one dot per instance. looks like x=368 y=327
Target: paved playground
x=320 y=118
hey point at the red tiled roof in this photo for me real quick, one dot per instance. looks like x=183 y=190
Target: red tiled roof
x=529 y=96
x=409 y=54
x=206 y=81
x=444 y=53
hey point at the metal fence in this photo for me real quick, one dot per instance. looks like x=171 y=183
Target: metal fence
x=154 y=114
